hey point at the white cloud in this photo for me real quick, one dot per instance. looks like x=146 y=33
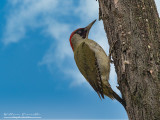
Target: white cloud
x=87 y=10
x=25 y=14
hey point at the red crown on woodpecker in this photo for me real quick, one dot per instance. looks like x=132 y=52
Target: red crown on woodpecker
x=83 y=32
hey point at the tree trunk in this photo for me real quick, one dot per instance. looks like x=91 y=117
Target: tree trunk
x=133 y=29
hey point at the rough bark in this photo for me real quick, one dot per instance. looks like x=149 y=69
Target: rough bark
x=133 y=29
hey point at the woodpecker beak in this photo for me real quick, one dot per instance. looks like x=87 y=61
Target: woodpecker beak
x=88 y=28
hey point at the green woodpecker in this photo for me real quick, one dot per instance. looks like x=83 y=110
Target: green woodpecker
x=92 y=62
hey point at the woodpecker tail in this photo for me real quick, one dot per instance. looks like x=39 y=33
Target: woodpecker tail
x=119 y=99
x=111 y=94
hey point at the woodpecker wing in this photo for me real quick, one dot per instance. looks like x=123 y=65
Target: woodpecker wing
x=87 y=63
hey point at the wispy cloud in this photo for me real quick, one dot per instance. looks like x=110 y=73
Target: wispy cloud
x=87 y=10
x=31 y=14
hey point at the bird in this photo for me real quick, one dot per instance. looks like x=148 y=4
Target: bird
x=92 y=62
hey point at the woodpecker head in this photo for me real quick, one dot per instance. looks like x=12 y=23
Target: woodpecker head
x=83 y=32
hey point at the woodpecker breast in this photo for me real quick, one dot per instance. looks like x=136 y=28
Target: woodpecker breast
x=92 y=62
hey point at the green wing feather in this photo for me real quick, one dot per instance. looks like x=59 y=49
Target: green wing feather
x=87 y=63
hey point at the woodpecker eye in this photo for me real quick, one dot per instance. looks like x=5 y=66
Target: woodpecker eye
x=79 y=32
x=82 y=32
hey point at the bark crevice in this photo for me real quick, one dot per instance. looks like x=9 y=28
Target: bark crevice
x=135 y=26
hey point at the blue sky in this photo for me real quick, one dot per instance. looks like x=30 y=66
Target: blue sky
x=38 y=72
